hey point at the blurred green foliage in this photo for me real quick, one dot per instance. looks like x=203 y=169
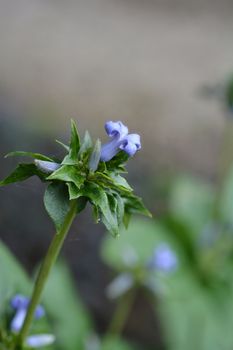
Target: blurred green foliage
x=194 y=302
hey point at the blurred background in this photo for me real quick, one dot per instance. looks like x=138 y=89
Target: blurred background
x=164 y=68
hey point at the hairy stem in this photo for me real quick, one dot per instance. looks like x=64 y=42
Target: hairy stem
x=49 y=261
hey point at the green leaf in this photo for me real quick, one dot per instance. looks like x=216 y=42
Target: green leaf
x=29 y=154
x=13 y=277
x=74 y=191
x=126 y=219
x=74 y=141
x=96 y=214
x=118 y=161
x=116 y=343
x=99 y=198
x=109 y=182
x=68 y=173
x=226 y=200
x=21 y=173
x=57 y=204
x=134 y=205
x=95 y=156
x=120 y=209
x=69 y=317
x=81 y=204
x=74 y=148
x=15 y=281
x=139 y=242
x=121 y=181
x=117 y=206
x=86 y=144
x=192 y=202
x=67 y=148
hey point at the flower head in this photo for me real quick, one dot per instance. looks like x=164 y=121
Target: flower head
x=20 y=303
x=163 y=259
x=121 y=140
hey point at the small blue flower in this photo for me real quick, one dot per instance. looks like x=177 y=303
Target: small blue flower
x=163 y=259
x=121 y=140
x=20 y=304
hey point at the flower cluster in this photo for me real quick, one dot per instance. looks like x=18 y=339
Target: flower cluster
x=88 y=172
x=121 y=140
x=20 y=304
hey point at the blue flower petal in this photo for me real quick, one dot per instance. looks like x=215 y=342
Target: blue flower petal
x=121 y=140
x=47 y=167
x=40 y=312
x=130 y=148
x=19 y=301
x=36 y=341
x=134 y=138
x=164 y=259
x=18 y=320
x=131 y=144
x=116 y=129
x=109 y=150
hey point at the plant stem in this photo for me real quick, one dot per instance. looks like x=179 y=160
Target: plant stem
x=121 y=314
x=49 y=261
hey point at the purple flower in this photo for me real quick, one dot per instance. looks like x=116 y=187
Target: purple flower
x=163 y=259
x=121 y=140
x=20 y=304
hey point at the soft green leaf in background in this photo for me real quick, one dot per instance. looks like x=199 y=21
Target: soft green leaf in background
x=226 y=200
x=13 y=280
x=192 y=202
x=68 y=316
x=114 y=343
x=193 y=317
x=139 y=240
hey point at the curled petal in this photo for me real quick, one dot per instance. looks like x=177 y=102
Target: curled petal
x=130 y=148
x=36 y=341
x=116 y=129
x=134 y=138
x=121 y=140
x=131 y=144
